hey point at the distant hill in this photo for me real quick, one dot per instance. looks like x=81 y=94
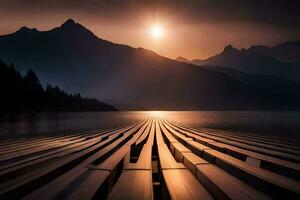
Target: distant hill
x=182 y=59
x=26 y=94
x=270 y=83
x=281 y=61
x=288 y=52
x=73 y=58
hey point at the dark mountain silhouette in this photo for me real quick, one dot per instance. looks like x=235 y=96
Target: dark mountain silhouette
x=288 y=52
x=270 y=83
x=281 y=61
x=76 y=60
x=26 y=94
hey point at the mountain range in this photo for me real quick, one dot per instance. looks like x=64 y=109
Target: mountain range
x=281 y=61
x=76 y=60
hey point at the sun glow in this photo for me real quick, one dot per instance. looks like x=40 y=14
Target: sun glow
x=156 y=113
x=156 y=31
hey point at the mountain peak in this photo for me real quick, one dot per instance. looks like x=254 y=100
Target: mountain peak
x=182 y=59
x=25 y=29
x=69 y=23
x=230 y=49
x=70 y=26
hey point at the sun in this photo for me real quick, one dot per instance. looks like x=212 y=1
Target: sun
x=157 y=31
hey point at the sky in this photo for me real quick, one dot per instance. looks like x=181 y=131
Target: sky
x=191 y=28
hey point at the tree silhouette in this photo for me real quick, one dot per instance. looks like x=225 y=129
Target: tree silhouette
x=26 y=94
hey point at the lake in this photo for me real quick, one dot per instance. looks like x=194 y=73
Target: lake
x=261 y=122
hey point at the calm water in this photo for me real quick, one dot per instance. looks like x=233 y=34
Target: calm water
x=41 y=123
x=276 y=123
x=260 y=122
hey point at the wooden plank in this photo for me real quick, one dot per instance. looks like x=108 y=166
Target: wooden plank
x=113 y=160
x=31 y=181
x=135 y=181
x=150 y=140
x=144 y=160
x=15 y=169
x=48 y=155
x=265 y=144
x=190 y=161
x=158 y=135
x=177 y=150
x=225 y=186
x=196 y=147
x=192 y=165
x=133 y=184
x=182 y=185
x=180 y=137
x=40 y=151
x=29 y=152
x=170 y=138
x=260 y=138
x=25 y=184
x=91 y=182
x=83 y=185
x=45 y=139
x=277 y=165
x=67 y=181
x=243 y=137
x=139 y=133
x=145 y=133
x=269 y=138
x=267 y=181
x=166 y=159
x=278 y=154
x=229 y=159
x=30 y=167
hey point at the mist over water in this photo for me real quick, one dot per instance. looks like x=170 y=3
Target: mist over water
x=261 y=122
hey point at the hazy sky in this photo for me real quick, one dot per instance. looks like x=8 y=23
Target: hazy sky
x=192 y=28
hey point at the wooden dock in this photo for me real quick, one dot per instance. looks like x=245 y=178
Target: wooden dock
x=152 y=159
